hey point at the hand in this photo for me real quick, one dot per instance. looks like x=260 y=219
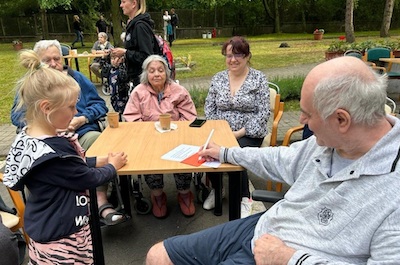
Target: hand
x=118 y=159
x=101 y=161
x=210 y=152
x=240 y=133
x=119 y=52
x=76 y=123
x=270 y=250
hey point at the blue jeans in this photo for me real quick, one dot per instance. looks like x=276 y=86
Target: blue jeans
x=79 y=37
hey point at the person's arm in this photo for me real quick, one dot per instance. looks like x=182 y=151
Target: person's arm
x=133 y=111
x=186 y=108
x=18 y=116
x=269 y=249
x=210 y=106
x=90 y=104
x=256 y=126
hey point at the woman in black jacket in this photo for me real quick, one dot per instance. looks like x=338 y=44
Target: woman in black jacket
x=139 y=38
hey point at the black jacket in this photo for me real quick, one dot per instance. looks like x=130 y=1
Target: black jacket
x=139 y=42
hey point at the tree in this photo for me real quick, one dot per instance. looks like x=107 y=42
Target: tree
x=348 y=26
x=387 y=18
x=274 y=15
x=116 y=20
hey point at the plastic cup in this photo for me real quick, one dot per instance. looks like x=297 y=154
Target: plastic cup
x=165 y=121
x=113 y=119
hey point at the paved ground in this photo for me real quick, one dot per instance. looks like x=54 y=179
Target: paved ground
x=128 y=243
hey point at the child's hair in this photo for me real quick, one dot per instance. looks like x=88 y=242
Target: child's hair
x=43 y=83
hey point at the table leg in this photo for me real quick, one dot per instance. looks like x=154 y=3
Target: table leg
x=235 y=194
x=125 y=193
x=97 y=241
x=218 y=194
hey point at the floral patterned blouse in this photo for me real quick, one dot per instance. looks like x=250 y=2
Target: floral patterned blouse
x=248 y=108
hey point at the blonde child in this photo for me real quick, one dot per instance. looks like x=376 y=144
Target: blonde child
x=49 y=161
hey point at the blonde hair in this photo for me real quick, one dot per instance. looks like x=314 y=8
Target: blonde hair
x=141 y=8
x=43 y=83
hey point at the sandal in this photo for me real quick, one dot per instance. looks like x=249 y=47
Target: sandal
x=112 y=218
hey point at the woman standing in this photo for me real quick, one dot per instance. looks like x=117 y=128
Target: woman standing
x=139 y=38
x=78 y=31
x=239 y=95
x=158 y=94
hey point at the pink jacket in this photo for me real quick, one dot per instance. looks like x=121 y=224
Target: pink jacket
x=143 y=104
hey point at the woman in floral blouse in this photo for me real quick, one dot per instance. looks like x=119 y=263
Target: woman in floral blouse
x=239 y=95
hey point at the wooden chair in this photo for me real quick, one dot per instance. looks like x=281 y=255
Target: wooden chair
x=374 y=54
x=271 y=138
x=277 y=108
x=15 y=222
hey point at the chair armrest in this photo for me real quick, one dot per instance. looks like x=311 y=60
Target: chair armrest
x=267 y=196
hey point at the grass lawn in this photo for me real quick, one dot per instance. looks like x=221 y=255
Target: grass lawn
x=205 y=52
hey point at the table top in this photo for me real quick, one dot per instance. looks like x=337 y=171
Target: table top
x=390 y=60
x=83 y=55
x=145 y=145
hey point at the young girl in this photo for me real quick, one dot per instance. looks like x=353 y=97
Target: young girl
x=50 y=163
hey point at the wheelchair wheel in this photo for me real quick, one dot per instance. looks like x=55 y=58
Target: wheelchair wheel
x=143 y=206
x=106 y=90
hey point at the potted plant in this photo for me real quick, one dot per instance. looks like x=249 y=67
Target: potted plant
x=17 y=44
x=318 y=33
x=336 y=49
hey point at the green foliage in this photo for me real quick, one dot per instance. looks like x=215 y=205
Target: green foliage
x=49 y=4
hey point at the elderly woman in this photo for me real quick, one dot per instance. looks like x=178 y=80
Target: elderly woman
x=101 y=46
x=157 y=94
x=239 y=95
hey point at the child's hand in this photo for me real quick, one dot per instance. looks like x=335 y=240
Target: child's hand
x=118 y=160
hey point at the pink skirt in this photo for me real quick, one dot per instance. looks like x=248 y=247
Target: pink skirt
x=74 y=249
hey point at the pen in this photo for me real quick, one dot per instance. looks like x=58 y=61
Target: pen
x=207 y=142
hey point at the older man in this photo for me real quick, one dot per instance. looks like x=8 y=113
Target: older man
x=343 y=206
x=91 y=109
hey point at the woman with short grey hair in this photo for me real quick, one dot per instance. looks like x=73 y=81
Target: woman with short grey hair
x=158 y=94
x=101 y=46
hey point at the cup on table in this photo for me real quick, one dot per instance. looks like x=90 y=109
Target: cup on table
x=165 y=121
x=113 y=119
x=73 y=52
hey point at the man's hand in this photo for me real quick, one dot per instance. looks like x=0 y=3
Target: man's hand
x=76 y=123
x=210 y=152
x=270 y=250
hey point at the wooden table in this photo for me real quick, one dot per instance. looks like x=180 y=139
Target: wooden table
x=89 y=57
x=390 y=60
x=145 y=146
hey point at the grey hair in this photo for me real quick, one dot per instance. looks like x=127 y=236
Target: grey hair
x=45 y=44
x=103 y=34
x=364 y=98
x=144 y=76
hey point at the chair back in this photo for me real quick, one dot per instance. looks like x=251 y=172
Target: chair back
x=276 y=107
x=390 y=106
x=373 y=54
x=354 y=53
x=65 y=51
x=20 y=207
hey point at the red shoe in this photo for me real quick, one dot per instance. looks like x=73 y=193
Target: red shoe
x=159 y=205
x=186 y=204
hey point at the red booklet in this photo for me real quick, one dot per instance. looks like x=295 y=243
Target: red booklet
x=193 y=160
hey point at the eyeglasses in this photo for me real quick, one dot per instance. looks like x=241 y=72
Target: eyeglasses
x=237 y=56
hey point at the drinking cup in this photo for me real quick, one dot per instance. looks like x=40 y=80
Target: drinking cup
x=113 y=119
x=165 y=121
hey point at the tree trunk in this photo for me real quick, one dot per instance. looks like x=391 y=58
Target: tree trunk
x=387 y=18
x=45 y=26
x=277 y=17
x=116 y=20
x=348 y=26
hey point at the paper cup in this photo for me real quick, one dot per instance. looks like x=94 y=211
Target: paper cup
x=165 y=121
x=113 y=119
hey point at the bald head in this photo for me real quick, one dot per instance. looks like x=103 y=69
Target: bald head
x=348 y=83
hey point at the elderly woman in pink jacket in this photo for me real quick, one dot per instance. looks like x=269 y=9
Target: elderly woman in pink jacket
x=157 y=94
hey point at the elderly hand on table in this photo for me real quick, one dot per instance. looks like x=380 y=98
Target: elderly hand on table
x=211 y=152
x=270 y=250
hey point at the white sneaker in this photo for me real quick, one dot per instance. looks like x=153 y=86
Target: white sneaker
x=209 y=203
x=246 y=207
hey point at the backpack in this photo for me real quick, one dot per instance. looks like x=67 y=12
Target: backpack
x=162 y=48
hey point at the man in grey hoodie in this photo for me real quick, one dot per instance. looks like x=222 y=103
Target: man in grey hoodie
x=343 y=206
